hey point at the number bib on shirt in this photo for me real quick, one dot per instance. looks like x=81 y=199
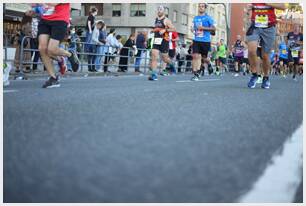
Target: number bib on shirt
x=261 y=21
x=48 y=10
x=284 y=51
x=158 y=41
x=295 y=53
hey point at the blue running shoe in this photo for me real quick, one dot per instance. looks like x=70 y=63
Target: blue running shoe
x=265 y=84
x=252 y=82
x=153 y=77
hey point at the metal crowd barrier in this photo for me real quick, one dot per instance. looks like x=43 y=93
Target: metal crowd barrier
x=83 y=57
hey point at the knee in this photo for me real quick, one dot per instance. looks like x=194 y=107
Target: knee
x=52 y=51
x=195 y=56
x=252 y=53
x=43 y=49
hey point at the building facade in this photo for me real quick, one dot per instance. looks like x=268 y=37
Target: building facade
x=128 y=18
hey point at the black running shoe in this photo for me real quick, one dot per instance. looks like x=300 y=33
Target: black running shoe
x=51 y=83
x=74 y=60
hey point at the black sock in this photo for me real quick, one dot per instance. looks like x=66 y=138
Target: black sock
x=255 y=74
x=293 y=76
x=265 y=78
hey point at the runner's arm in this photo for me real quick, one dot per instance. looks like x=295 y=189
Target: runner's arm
x=278 y=6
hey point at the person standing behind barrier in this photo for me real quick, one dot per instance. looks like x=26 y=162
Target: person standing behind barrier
x=90 y=27
x=52 y=30
x=26 y=30
x=93 y=48
x=183 y=52
x=101 y=49
x=110 y=43
x=141 y=46
x=125 y=53
x=34 y=40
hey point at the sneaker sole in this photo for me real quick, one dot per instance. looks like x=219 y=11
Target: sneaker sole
x=53 y=86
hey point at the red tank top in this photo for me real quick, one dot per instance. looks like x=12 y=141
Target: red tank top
x=263 y=15
x=60 y=12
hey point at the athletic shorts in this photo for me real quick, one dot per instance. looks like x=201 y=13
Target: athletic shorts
x=285 y=61
x=172 y=53
x=246 y=60
x=163 y=47
x=238 y=59
x=295 y=60
x=57 y=30
x=266 y=35
x=222 y=60
x=201 y=48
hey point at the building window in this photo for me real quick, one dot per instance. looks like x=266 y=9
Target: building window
x=138 y=9
x=212 y=11
x=174 y=16
x=75 y=12
x=184 y=19
x=167 y=12
x=223 y=35
x=219 y=18
x=116 y=9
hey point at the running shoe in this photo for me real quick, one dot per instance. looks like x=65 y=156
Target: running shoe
x=236 y=75
x=252 y=82
x=153 y=77
x=74 y=60
x=259 y=80
x=164 y=73
x=51 y=83
x=62 y=65
x=294 y=79
x=195 y=77
x=265 y=84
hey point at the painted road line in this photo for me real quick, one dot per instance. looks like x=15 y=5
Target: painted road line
x=201 y=80
x=281 y=179
x=9 y=91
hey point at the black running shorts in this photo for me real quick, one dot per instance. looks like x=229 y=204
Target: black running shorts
x=201 y=48
x=163 y=47
x=55 y=29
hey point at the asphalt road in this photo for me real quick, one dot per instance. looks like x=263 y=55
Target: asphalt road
x=125 y=139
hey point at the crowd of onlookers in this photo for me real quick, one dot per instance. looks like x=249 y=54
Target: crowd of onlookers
x=100 y=49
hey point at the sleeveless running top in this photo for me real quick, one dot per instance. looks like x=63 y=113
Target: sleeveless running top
x=160 y=23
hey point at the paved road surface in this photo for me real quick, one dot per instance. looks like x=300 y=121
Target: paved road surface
x=125 y=139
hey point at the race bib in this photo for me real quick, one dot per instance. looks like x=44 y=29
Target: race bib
x=261 y=21
x=158 y=41
x=295 y=53
x=284 y=51
x=48 y=10
x=199 y=33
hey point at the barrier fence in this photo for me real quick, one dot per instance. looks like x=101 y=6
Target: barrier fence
x=85 y=54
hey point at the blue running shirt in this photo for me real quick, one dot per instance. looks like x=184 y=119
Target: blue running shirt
x=206 y=21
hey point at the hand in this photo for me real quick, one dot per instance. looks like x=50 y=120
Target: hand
x=200 y=28
x=162 y=31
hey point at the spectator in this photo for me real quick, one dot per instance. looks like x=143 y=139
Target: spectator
x=189 y=59
x=26 y=30
x=90 y=27
x=101 y=49
x=141 y=46
x=183 y=52
x=94 y=42
x=34 y=37
x=110 y=43
x=125 y=53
